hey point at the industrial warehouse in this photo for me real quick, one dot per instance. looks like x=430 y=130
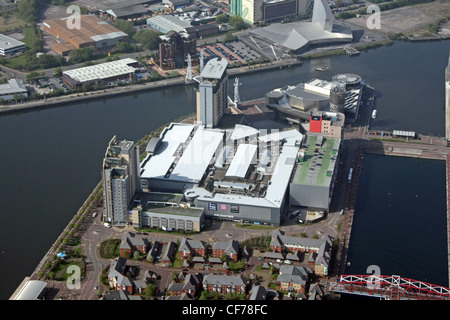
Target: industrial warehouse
x=102 y=73
x=92 y=32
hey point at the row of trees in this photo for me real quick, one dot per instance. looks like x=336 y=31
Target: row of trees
x=235 y=21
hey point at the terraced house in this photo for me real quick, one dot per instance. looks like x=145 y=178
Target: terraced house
x=319 y=249
x=190 y=248
x=230 y=248
x=131 y=243
x=225 y=284
x=293 y=279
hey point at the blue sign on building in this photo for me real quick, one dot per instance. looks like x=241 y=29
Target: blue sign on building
x=212 y=206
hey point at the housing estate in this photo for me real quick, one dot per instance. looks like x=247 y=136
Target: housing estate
x=225 y=283
x=319 y=249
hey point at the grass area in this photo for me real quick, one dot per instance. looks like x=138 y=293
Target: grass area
x=30 y=36
x=324 y=54
x=21 y=60
x=325 y=162
x=10 y=21
x=59 y=271
x=109 y=249
x=301 y=177
x=15 y=62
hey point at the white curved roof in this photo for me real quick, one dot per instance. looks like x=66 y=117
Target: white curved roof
x=30 y=290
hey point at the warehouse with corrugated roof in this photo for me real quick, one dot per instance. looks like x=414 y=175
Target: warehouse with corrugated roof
x=92 y=32
x=100 y=73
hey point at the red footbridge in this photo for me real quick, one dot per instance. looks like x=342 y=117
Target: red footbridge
x=389 y=288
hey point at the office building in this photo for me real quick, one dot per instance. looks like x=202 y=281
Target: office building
x=120 y=177
x=236 y=7
x=10 y=46
x=212 y=93
x=166 y=211
x=253 y=11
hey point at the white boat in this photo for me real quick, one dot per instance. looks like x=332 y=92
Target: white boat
x=374 y=114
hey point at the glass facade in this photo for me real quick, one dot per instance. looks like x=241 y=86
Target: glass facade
x=236 y=8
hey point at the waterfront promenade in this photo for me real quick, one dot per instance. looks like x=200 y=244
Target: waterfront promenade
x=130 y=88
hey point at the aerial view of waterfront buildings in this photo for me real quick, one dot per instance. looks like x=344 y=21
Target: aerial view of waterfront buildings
x=223 y=154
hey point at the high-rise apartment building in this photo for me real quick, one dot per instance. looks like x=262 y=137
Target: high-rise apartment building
x=212 y=93
x=120 y=175
x=174 y=49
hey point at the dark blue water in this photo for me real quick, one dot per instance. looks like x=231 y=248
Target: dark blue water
x=400 y=222
x=51 y=159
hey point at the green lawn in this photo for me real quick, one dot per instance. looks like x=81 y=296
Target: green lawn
x=307 y=160
x=15 y=62
x=325 y=162
x=21 y=60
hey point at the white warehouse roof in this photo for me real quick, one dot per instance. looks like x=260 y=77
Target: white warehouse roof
x=244 y=157
x=102 y=71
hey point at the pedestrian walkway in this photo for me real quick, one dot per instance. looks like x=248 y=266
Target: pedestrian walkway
x=448 y=211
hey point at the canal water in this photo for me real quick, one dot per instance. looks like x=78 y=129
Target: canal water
x=51 y=159
x=400 y=222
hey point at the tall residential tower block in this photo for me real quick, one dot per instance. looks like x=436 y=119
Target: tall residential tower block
x=120 y=177
x=212 y=94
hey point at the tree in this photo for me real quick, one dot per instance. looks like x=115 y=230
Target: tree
x=125 y=26
x=29 y=10
x=221 y=18
x=148 y=38
x=124 y=47
x=237 y=22
x=136 y=255
x=224 y=257
x=57 y=72
x=81 y=55
x=150 y=291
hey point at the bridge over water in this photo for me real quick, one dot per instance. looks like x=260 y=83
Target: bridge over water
x=389 y=287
